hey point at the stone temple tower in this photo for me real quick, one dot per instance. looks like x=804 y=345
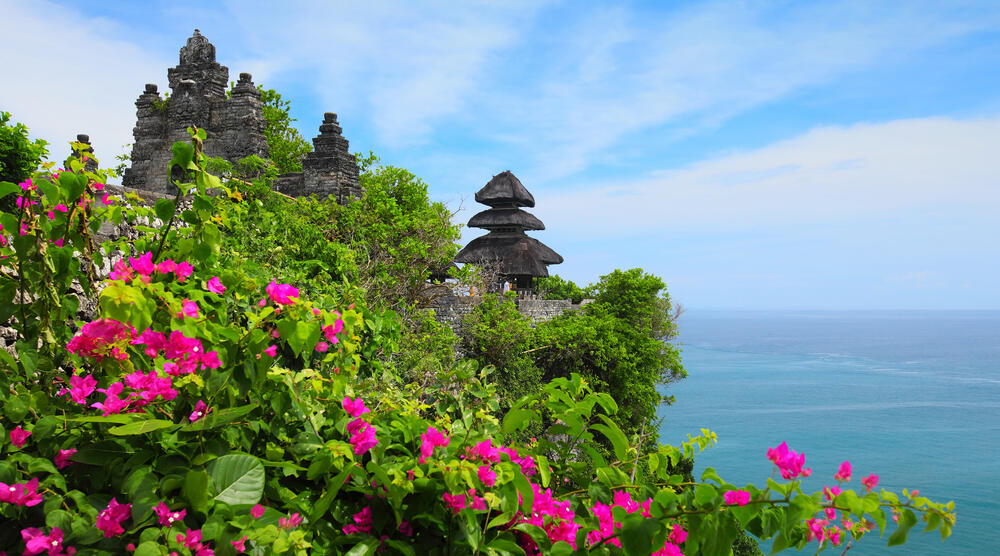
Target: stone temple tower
x=234 y=125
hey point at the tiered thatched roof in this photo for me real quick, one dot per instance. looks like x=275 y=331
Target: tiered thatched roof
x=521 y=257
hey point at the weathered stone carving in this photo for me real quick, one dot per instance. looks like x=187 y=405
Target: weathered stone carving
x=330 y=169
x=234 y=126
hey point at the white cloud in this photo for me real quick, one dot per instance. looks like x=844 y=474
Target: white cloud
x=64 y=73
x=406 y=64
x=689 y=69
x=828 y=174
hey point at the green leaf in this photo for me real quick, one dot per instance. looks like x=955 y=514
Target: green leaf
x=705 y=494
x=148 y=548
x=505 y=547
x=195 y=489
x=140 y=485
x=164 y=209
x=332 y=488
x=543 y=470
x=618 y=441
x=141 y=427
x=517 y=419
x=219 y=418
x=907 y=519
x=238 y=479
x=637 y=534
x=6 y=188
x=363 y=548
x=100 y=453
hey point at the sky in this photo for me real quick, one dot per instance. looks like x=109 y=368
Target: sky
x=755 y=155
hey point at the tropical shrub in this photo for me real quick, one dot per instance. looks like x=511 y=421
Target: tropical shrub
x=204 y=409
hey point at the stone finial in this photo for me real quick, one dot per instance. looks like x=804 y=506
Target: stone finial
x=82 y=138
x=330 y=118
x=151 y=89
x=197 y=50
x=245 y=77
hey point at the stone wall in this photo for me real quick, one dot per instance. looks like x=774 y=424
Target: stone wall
x=451 y=309
x=234 y=126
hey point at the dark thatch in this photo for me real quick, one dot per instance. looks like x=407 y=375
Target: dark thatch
x=521 y=260
x=495 y=218
x=505 y=189
x=497 y=246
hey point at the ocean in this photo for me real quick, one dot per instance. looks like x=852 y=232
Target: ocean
x=912 y=396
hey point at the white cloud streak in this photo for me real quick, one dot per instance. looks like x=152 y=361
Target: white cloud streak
x=829 y=174
x=64 y=73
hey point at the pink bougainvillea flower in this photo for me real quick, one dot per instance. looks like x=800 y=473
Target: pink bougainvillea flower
x=362 y=522
x=527 y=463
x=59 y=242
x=106 y=199
x=788 y=462
x=37 y=542
x=188 y=309
x=454 y=501
x=272 y=351
x=330 y=331
x=210 y=360
x=831 y=492
x=121 y=271
x=190 y=539
x=815 y=531
x=281 y=294
x=364 y=440
x=167 y=517
x=183 y=270
x=214 y=285
x=485 y=451
x=155 y=342
x=737 y=497
x=844 y=473
x=21 y=494
x=405 y=528
x=200 y=410
x=476 y=502
x=166 y=266
x=322 y=346
x=62 y=458
x=290 y=522
x=144 y=264
x=240 y=545
x=678 y=535
x=429 y=440
x=110 y=519
x=355 y=407
x=257 y=511
x=833 y=533
x=487 y=475
x=102 y=338
x=870 y=482
x=19 y=436
x=112 y=404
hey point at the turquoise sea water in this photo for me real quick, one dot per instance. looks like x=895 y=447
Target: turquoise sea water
x=913 y=396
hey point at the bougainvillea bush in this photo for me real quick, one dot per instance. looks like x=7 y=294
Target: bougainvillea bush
x=203 y=410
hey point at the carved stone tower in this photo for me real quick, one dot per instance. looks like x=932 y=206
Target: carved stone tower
x=234 y=126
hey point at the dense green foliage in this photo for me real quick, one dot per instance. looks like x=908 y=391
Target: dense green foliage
x=19 y=155
x=287 y=145
x=619 y=342
x=261 y=418
x=555 y=287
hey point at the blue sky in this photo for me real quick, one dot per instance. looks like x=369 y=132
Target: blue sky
x=758 y=155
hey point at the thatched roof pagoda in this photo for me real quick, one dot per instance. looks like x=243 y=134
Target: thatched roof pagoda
x=521 y=258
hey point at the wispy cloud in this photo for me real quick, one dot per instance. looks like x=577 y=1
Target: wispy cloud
x=828 y=174
x=65 y=73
